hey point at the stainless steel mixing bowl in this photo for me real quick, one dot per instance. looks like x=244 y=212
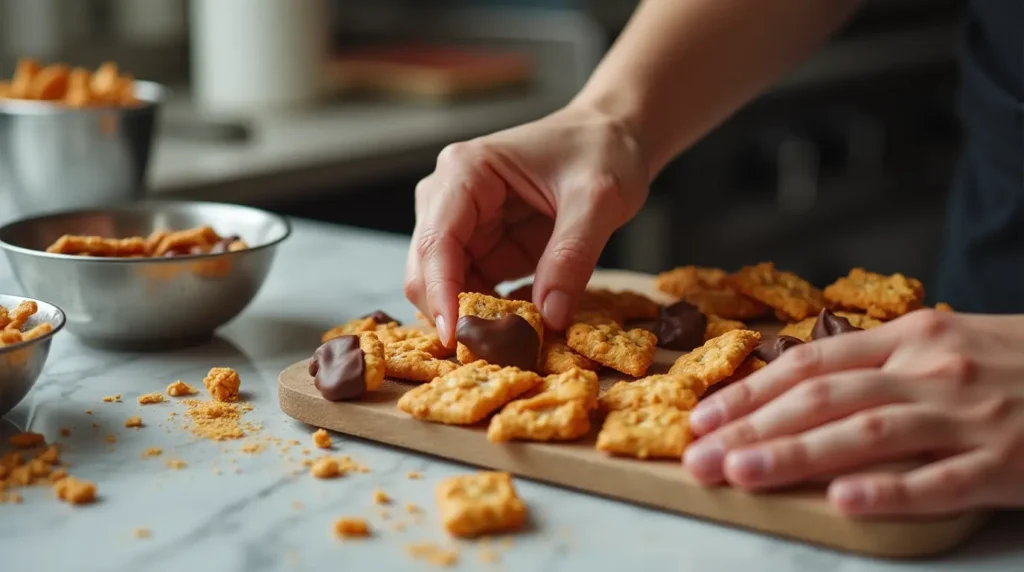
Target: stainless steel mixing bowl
x=56 y=158
x=145 y=303
x=21 y=364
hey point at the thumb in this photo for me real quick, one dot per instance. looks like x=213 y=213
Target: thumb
x=583 y=225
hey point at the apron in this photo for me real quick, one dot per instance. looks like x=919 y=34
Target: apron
x=982 y=265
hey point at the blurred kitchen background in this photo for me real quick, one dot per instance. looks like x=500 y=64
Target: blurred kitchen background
x=845 y=162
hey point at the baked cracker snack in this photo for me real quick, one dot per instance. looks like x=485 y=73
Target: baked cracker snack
x=717 y=326
x=417 y=366
x=630 y=352
x=478 y=504
x=546 y=417
x=650 y=432
x=706 y=288
x=792 y=297
x=557 y=357
x=678 y=391
x=882 y=297
x=624 y=304
x=575 y=384
x=467 y=394
x=478 y=305
x=718 y=358
x=802 y=330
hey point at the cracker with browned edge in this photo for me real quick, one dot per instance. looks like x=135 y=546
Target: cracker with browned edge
x=706 y=288
x=718 y=358
x=478 y=504
x=792 y=297
x=678 y=391
x=651 y=432
x=417 y=366
x=626 y=304
x=717 y=326
x=545 y=417
x=802 y=330
x=630 y=352
x=882 y=297
x=575 y=384
x=557 y=357
x=492 y=308
x=467 y=394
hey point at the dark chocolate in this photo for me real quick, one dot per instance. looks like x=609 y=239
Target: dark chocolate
x=338 y=368
x=223 y=244
x=381 y=318
x=829 y=324
x=771 y=347
x=507 y=341
x=680 y=327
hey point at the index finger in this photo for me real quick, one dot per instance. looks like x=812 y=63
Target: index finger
x=855 y=350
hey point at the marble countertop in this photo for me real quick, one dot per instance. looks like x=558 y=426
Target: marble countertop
x=228 y=510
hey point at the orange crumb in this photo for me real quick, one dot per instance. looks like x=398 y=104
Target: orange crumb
x=293 y=442
x=75 y=491
x=176 y=464
x=222 y=383
x=432 y=554
x=252 y=448
x=384 y=514
x=297 y=505
x=58 y=475
x=151 y=398
x=135 y=422
x=88 y=411
x=322 y=439
x=26 y=440
x=412 y=508
x=142 y=533
x=153 y=452
x=381 y=497
x=65 y=431
x=111 y=438
x=112 y=398
x=414 y=475
x=216 y=420
x=398 y=526
x=326 y=468
x=180 y=389
x=305 y=451
x=347 y=527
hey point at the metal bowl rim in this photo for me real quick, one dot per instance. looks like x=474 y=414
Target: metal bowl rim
x=136 y=206
x=56 y=327
x=25 y=107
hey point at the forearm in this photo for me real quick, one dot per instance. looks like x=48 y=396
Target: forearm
x=682 y=66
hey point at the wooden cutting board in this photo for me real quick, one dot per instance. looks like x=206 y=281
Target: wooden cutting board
x=800 y=514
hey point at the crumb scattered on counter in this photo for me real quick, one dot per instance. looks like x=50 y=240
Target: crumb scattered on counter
x=411 y=508
x=75 y=491
x=349 y=527
x=151 y=398
x=110 y=438
x=380 y=497
x=252 y=448
x=65 y=431
x=432 y=554
x=297 y=505
x=326 y=468
x=217 y=420
x=294 y=442
x=135 y=422
x=153 y=452
x=180 y=389
x=88 y=411
x=112 y=398
x=176 y=464
x=322 y=439
x=142 y=533
x=223 y=384
x=414 y=475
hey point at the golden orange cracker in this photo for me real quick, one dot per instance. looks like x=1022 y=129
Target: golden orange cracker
x=374 y=360
x=467 y=394
x=882 y=297
x=800 y=330
x=630 y=352
x=626 y=304
x=792 y=297
x=481 y=503
x=417 y=366
x=545 y=417
x=678 y=391
x=574 y=384
x=647 y=433
x=557 y=357
x=706 y=288
x=718 y=358
x=717 y=326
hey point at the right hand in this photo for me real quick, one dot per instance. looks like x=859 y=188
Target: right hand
x=540 y=198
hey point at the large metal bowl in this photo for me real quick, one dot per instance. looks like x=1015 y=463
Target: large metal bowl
x=21 y=364
x=145 y=303
x=57 y=158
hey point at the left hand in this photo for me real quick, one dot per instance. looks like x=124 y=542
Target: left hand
x=946 y=386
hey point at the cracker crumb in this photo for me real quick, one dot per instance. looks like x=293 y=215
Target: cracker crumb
x=223 y=384
x=293 y=442
x=176 y=464
x=49 y=455
x=142 y=533
x=326 y=468
x=26 y=440
x=216 y=420
x=381 y=497
x=351 y=527
x=58 y=475
x=112 y=398
x=65 y=431
x=180 y=389
x=151 y=398
x=88 y=411
x=297 y=505
x=153 y=452
x=384 y=515
x=322 y=439
x=412 y=508
x=252 y=448
x=432 y=554
x=75 y=491
x=414 y=475
x=305 y=451
x=110 y=438
x=135 y=422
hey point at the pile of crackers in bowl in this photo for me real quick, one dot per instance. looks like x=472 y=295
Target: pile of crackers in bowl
x=77 y=87
x=158 y=244
x=531 y=384
x=12 y=324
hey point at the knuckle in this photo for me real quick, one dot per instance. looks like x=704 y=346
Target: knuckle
x=953 y=485
x=427 y=242
x=456 y=153
x=998 y=410
x=803 y=359
x=958 y=368
x=574 y=255
x=873 y=429
x=741 y=432
x=814 y=394
x=930 y=324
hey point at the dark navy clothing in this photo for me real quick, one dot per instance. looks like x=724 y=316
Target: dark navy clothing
x=982 y=266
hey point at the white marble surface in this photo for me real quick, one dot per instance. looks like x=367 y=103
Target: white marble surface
x=245 y=518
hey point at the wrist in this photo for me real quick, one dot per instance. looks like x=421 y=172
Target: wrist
x=620 y=116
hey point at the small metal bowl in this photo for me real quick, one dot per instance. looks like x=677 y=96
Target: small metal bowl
x=145 y=303
x=54 y=157
x=21 y=364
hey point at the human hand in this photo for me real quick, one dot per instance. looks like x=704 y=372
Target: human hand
x=540 y=198
x=948 y=387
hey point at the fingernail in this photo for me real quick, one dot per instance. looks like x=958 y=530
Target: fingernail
x=556 y=308
x=706 y=417
x=749 y=465
x=704 y=458
x=850 y=495
x=442 y=330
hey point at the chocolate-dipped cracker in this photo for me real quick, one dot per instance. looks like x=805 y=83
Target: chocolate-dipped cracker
x=346 y=367
x=507 y=341
x=829 y=324
x=770 y=348
x=381 y=318
x=680 y=327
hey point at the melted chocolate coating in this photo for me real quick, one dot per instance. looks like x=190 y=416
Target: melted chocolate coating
x=381 y=318
x=338 y=368
x=770 y=348
x=829 y=324
x=680 y=327
x=507 y=341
